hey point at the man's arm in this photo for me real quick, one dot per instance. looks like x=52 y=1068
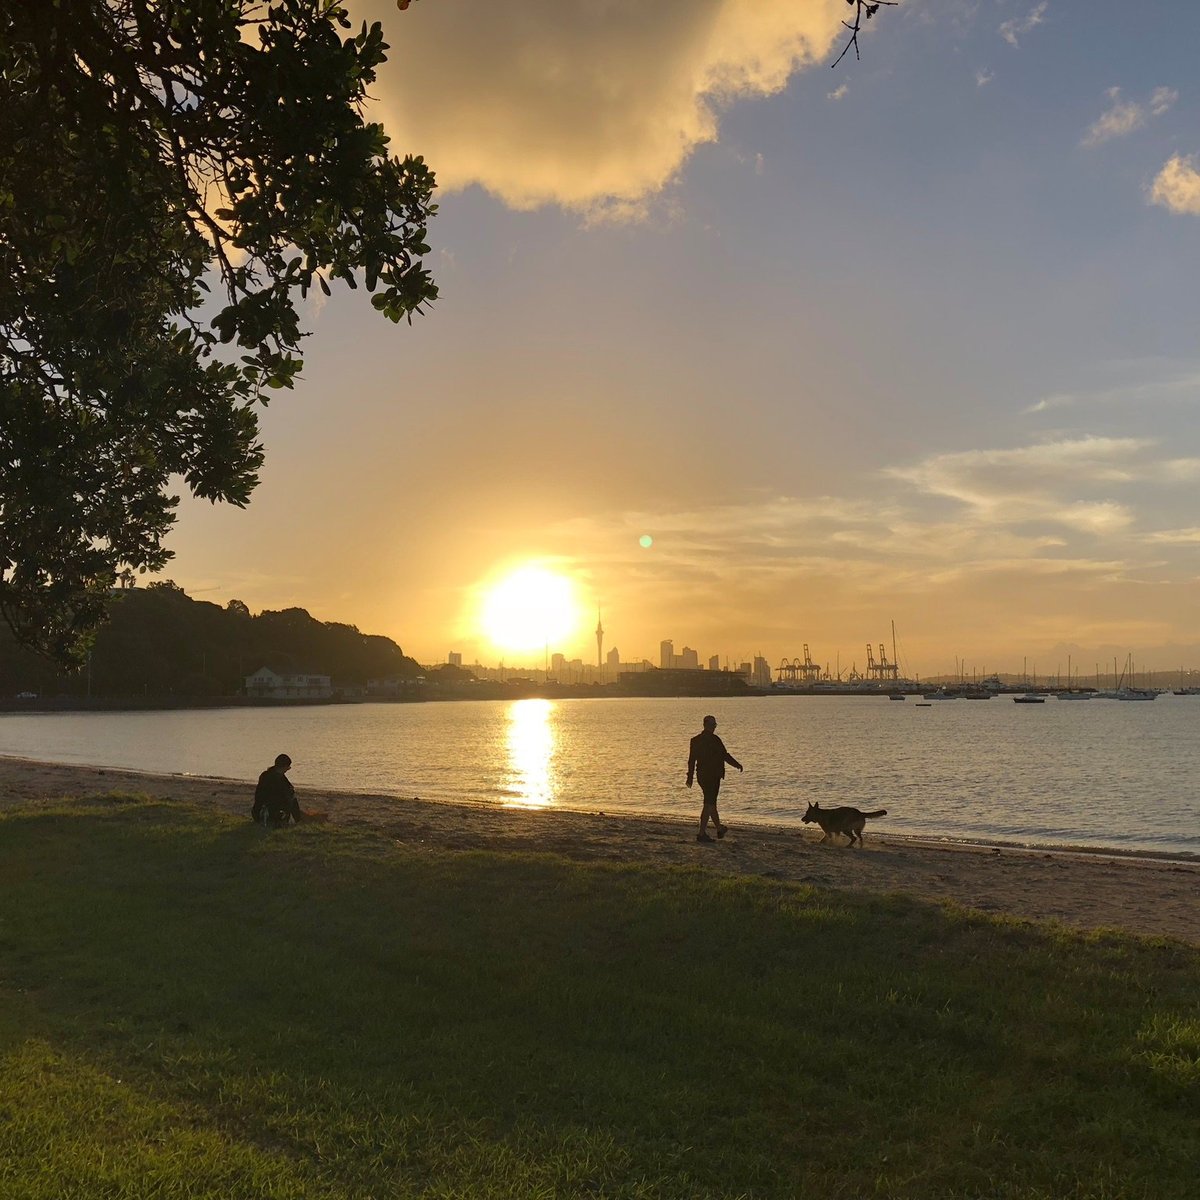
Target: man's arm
x=259 y=800
x=691 y=762
x=290 y=803
x=733 y=762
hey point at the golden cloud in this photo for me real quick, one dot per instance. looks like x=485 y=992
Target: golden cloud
x=583 y=103
x=1177 y=186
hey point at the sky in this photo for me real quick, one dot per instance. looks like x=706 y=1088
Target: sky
x=910 y=340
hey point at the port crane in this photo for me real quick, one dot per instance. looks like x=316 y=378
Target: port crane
x=883 y=670
x=799 y=671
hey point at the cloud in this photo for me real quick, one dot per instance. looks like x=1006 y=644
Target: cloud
x=827 y=568
x=1124 y=116
x=1180 y=470
x=1176 y=537
x=838 y=92
x=1178 y=383
x=1162 y=99
x=983 y=77
x=1021 y=483
x=579 y=103
x=1177 y=186
x=1012 y=31
x=1032 y=529
x=1098 y=518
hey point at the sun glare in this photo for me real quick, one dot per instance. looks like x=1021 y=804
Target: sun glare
x=529 y=609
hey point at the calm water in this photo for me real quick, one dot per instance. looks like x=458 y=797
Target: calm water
x=1100 y=773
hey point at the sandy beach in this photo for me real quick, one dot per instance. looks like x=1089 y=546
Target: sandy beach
x=1084 y=890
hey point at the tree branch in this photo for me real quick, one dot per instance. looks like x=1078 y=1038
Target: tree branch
x=864 y=10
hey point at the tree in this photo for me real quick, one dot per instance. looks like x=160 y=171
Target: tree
x=174 y=176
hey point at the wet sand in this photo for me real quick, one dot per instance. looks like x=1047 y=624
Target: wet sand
x=1082 y=889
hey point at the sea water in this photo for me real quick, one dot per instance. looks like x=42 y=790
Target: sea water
x=1100 y=774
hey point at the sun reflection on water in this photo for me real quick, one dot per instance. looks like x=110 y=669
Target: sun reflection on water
x=530 y=754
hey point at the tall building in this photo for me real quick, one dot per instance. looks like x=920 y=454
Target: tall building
x=714 y=663
x=599 y=639
x=689 y=660
x=454 y=658
x=666 y=654
x=614 y=657
x=762 y=672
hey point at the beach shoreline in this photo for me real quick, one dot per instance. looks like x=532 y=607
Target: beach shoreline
x=1083 y=888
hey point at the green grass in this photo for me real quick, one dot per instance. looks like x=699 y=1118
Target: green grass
x=191 y=1007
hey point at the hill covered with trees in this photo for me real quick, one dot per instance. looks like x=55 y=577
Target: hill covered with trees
x=161 y=643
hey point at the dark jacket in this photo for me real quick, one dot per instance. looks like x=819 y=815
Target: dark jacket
x=276 y=794
x=707 y=757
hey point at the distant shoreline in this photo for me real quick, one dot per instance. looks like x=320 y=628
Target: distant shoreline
x=1133 y=892
x=486 y=690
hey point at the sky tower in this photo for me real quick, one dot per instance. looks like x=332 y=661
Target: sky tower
x=599 y=639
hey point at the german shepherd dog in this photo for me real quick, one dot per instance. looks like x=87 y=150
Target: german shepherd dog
x=849 y=821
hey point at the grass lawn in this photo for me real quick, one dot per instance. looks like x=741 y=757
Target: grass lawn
x=192 y=1007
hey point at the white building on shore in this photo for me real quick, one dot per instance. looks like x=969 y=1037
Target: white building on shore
x=265 y=684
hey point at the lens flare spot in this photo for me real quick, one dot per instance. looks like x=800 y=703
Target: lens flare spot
x=645 y=541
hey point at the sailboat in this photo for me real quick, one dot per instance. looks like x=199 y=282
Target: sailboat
x=1129 y=692
x=1030 y=697
x=1071 y=693
x=1185 y=691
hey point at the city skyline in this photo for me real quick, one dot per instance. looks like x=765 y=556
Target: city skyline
x=871 y=661
x=761 y=352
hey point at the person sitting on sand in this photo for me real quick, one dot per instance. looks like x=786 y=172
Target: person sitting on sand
x=274 y=797
x=706 y=761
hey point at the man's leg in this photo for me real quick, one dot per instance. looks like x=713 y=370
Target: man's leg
x=710 y=803
x=710 y=791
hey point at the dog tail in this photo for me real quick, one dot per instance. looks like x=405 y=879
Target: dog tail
x=879 y=812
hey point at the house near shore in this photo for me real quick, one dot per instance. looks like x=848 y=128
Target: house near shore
x=266 y=684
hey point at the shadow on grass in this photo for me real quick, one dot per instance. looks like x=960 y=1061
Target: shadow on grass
x=324 y=1011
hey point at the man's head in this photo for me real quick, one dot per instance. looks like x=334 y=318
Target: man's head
x=282 y=763
x=710 y=723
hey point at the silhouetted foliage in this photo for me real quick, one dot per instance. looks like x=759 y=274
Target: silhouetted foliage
x=864 y=10
x=449 y=673
x=160 y=642
x=150 y=149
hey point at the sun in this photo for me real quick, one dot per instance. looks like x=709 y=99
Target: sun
x=530 y=608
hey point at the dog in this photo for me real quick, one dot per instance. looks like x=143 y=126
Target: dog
x=849 y=821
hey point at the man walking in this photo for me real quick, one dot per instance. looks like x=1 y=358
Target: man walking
x=706 y=762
